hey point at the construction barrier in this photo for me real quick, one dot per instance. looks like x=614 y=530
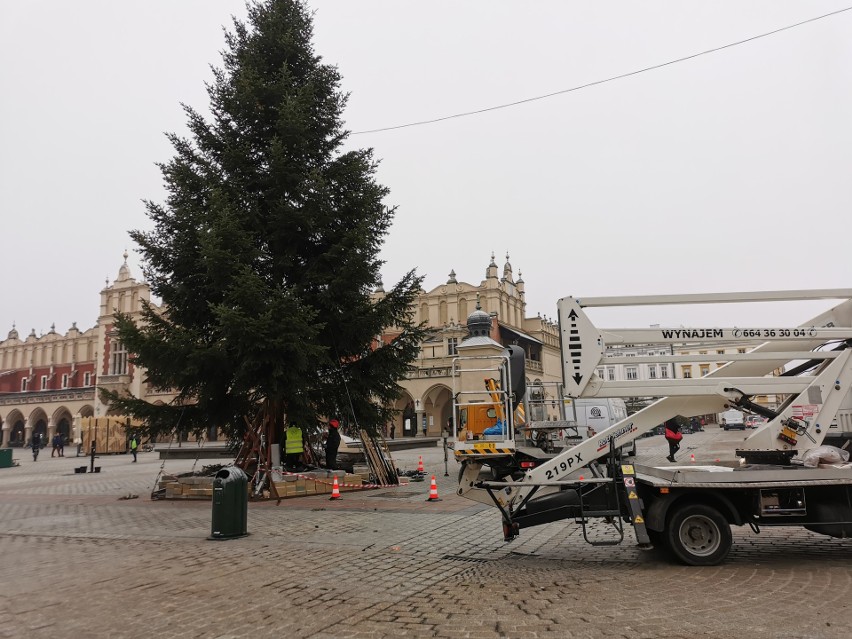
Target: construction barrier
x=290 y=485
x=300 y=485
x=110 y=434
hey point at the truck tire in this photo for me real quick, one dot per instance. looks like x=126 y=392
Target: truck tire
x=698 y=535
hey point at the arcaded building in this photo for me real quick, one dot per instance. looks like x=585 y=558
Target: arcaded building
x=48 y=382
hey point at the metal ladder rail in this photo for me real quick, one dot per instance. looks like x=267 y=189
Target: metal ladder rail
x=614 y=514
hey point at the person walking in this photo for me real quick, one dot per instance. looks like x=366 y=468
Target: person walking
x=55 y=443
x=134 y=445
x=392 y=430
x=293 y=446
x=673 y=437
x=36 y=444
x=332 y=443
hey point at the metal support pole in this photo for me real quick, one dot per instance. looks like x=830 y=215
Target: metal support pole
x=446 y=472
x=92 y=466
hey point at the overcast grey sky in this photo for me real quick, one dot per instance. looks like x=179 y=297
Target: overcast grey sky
x=730 y=171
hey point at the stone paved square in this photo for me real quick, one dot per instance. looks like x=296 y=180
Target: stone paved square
x=78 y=561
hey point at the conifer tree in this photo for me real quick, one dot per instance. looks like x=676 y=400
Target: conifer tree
x=265 y=251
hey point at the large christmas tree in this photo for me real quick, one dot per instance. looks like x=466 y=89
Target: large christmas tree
x=266 y=250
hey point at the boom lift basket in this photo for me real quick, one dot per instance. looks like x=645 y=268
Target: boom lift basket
x=483 y=419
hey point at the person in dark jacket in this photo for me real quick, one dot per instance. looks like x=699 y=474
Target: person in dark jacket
x=673 y=437
x=36 y=445
x=332 y=443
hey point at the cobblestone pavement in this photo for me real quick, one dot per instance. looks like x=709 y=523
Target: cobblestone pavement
x=78 y=561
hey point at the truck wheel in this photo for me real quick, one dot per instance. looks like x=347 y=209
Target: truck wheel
x=699 y=535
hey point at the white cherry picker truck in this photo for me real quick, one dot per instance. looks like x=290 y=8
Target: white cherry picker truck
x=688 y=508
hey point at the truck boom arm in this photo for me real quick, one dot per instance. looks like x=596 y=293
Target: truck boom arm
x=584 y=350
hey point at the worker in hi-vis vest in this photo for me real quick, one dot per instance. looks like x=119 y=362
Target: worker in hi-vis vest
x=293 y=446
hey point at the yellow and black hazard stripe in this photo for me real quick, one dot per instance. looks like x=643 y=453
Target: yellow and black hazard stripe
x=485 y=451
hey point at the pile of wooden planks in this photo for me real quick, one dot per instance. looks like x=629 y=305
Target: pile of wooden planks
x=379 y=459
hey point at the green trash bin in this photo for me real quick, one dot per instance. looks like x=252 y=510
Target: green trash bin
x=230 y=504
x=5 y=457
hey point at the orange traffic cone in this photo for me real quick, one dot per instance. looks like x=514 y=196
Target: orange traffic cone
x=692 y=458
x=433 y=491
x=420 y=464
x=335 y=490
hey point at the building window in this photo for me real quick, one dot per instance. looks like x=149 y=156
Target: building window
x=118 y=358
x=720 y=351
x=741 y=350
x=600 y=373
x=452 y=346
x=702 y=352
x=610 y=373
x=630 y=371
x=651 y=354
x=24 y=385
x=87 y=379
x=44 y=382
x=664 y=371
x=705 y=369
x=652 y=372
x=687 y=372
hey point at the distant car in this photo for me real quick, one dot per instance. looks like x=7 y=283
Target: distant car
x=732 y=420
x=657 y=430
x=755 y=421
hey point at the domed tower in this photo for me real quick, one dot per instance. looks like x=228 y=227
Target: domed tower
x=479 y=322
x=479 y=333
x=114 y=369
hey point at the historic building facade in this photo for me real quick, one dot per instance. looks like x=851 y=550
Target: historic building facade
x=426 y=404
x=708 y=358
x=48 y=382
